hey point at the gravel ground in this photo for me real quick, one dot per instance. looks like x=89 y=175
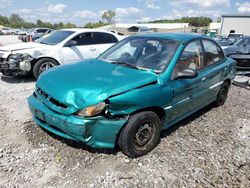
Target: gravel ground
x=209 y=149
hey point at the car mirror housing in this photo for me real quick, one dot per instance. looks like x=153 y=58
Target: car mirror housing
x=187 y=73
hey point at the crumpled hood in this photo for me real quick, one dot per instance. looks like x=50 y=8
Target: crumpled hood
x=90 y=82
x=21 y=46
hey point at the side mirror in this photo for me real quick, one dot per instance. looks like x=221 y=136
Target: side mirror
x=187 y=73
x=70 y=43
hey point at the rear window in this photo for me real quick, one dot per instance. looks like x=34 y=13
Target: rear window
x=213 y=53
x=104 y=38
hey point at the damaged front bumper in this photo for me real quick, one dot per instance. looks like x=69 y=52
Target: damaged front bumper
x=96 y=132
x=16 y=64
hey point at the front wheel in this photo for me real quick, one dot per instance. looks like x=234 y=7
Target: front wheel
x=140 y=135
x=42 y=65
x=222 y=95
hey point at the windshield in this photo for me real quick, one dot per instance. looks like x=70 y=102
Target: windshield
x=243 y=41
x=142 y=53
x=227 y=41
x=55 y=37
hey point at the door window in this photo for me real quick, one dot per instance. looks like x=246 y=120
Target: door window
x=104 y=38
x=42 y=30
x=191 y=57
x=84 y=39
x=243 y=42
x=212 y=52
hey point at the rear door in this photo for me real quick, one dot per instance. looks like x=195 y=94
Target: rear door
x=215 y=68
x=188 y=92
x=102 y=41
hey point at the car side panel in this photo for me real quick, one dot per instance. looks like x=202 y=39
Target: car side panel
x=76 y=53
x=100 y=48
x=189 y=94
x=141 y=98
x=217 y=73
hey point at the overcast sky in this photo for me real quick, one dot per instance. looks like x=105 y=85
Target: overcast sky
x=83 y=11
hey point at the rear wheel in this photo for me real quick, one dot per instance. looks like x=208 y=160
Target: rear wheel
x=42 y=65
x=140 y=135
x=222 y=95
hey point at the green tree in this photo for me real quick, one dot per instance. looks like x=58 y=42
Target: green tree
x=16 y=21
x=95 y=25
x=4 y=21
x=69 y=25
x=60 y=25
x=39 y=23
x=193 y=21
x=109 y=16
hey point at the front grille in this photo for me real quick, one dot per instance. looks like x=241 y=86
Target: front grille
x=50 y=99
x=57 y=103
x=243 y=62
x=42 y=93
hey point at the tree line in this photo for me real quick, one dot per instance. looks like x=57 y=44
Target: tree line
x=15 y=21
x=193 y=21
x=108 y=17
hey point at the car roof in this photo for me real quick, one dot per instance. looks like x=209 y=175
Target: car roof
x=174 y=36
x=41 y=28
x=80 y=30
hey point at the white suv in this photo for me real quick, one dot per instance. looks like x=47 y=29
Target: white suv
x=59 y=47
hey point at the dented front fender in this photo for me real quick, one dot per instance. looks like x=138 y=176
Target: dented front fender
x=141 y=98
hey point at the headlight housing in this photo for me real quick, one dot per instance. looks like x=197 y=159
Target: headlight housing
x=15 y=58
x=21 y=60
x=92 y=110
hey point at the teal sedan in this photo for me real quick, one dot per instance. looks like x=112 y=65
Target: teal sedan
x=140 y=86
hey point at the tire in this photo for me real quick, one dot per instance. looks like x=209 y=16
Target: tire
x=140 y=135
x=222 y=95
x=42 y=65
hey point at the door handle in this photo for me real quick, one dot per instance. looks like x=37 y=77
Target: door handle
x=92 y=49
x=203 y=79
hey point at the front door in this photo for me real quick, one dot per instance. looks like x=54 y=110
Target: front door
x=215 y=68
x=82 y=50
x=188 y=92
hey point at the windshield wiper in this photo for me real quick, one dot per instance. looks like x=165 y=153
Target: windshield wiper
x=125 y=64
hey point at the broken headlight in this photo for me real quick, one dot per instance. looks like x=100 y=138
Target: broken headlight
x=91 y=110
x=23 y=61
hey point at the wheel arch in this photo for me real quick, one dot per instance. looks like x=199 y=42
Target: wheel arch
x=227 y=81
x=156 y=109
x=44 y=57
x=159 y=111
x=35 y=64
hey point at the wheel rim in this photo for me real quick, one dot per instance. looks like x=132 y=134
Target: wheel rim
x=45 y=66
x=144 y=135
